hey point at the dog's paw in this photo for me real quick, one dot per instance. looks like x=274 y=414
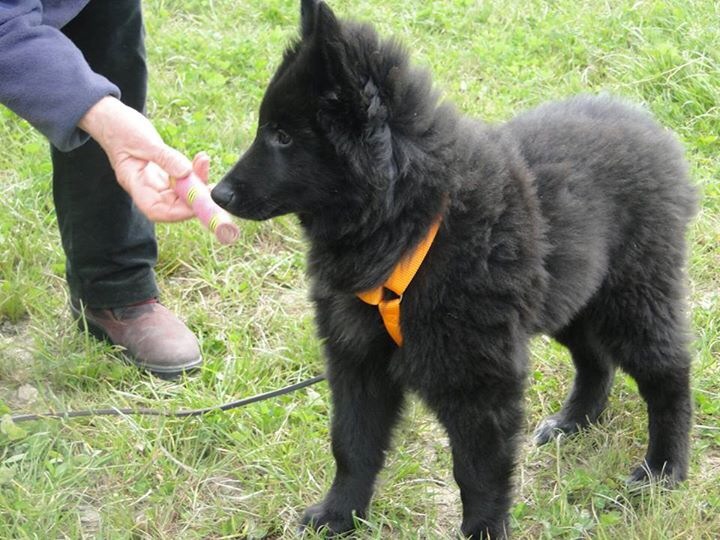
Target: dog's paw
x=667 y=476
x=323 y=518
x=484 y=531
x=554 y=426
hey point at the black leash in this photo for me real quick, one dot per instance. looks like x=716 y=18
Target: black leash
x=178 y=414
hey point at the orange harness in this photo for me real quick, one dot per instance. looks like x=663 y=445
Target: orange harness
x=398 y=281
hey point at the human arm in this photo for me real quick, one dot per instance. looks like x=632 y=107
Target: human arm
x=44 y=78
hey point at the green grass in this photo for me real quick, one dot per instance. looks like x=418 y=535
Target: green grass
x=248 y=473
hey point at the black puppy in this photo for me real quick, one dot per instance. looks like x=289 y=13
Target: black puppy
x=568 y=220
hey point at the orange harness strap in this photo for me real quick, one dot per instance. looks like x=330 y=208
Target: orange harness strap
x=398 y=281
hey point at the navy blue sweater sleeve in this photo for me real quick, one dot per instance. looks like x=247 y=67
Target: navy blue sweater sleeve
x=44 y=77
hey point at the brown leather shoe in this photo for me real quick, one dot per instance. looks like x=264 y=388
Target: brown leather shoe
x=152 y=337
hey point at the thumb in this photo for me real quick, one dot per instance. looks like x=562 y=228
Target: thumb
x=171 y=161
x=201 y=166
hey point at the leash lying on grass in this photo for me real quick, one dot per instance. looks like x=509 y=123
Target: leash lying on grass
x=177 y=414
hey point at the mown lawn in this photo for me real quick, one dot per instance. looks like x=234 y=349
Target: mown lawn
x=248 y=473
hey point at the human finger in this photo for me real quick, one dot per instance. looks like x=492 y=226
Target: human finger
x=201 y=166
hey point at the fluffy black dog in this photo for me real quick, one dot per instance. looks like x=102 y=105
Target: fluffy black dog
x=568 y=220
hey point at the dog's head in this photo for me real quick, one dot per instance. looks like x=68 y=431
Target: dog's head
x=329 y=124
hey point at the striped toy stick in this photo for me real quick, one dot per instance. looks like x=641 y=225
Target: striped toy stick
x=196 y=193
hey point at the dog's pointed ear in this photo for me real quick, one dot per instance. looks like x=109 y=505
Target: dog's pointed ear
x=320 y=27
x=316 y=17
x=325 y=26
x=331 y=61
x=308 y=14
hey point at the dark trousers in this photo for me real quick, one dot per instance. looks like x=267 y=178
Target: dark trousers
x=110 y=246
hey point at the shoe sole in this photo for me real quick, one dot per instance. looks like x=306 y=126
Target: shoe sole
x=96 y=331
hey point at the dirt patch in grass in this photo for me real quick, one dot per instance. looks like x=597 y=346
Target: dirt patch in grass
x=16 y=361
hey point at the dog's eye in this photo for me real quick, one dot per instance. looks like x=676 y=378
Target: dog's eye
x=282 y=137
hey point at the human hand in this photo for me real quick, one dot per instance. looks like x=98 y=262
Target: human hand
x=141 y=160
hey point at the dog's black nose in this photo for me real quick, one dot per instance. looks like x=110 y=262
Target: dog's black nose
x=222 y=195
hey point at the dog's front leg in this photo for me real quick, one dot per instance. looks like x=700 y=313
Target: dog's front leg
x=482 y=420
x=366 y=405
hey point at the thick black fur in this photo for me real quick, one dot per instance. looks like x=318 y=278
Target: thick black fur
x=568 y=220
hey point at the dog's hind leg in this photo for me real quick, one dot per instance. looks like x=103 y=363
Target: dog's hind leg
x=669 y=406
x=645 y=329
x=594 y=373
x=366 y=404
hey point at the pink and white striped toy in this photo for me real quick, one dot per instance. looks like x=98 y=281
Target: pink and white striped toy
x=196 y=193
